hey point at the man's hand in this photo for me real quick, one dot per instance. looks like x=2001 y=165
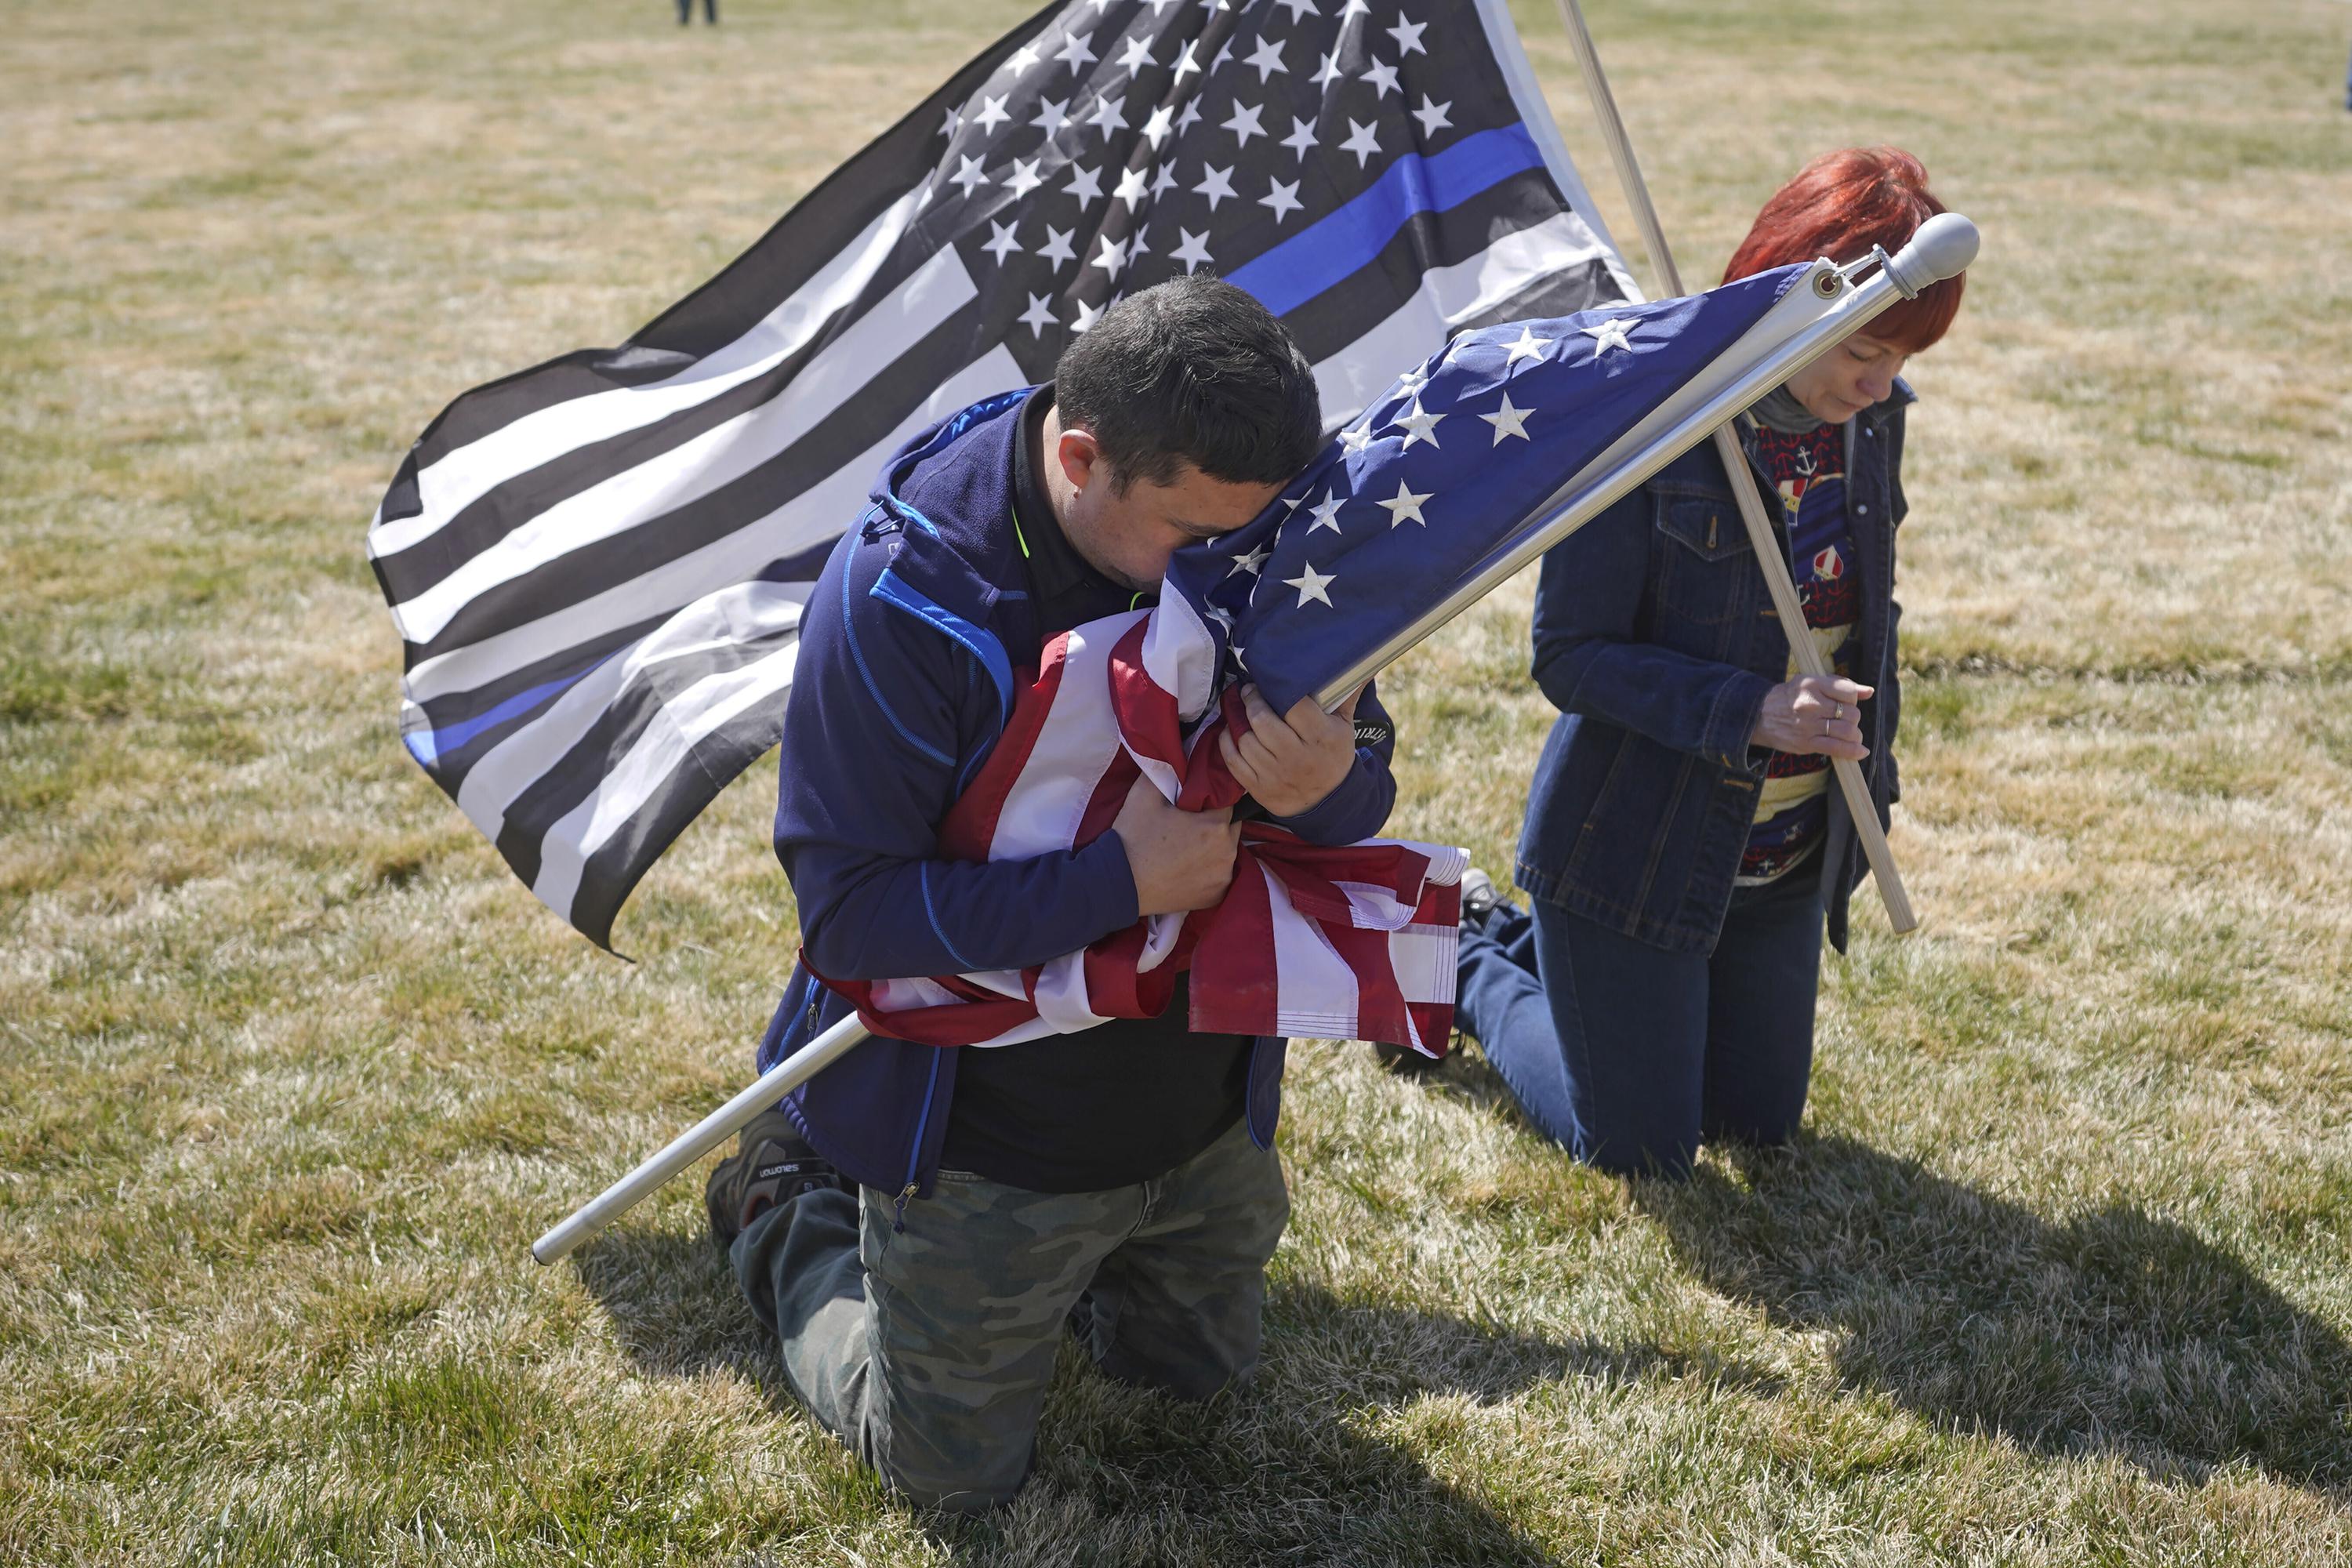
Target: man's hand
x=1291 y=763
x=1813 y=715
x=1180 y=859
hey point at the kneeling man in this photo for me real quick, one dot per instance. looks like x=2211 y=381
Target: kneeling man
x=922 y=1226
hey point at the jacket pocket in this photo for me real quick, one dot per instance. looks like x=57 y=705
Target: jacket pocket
x=1704 y=564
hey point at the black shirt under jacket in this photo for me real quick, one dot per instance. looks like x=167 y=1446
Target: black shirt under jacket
x=1126 y=1101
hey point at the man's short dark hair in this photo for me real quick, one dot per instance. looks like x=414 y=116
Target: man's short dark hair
x=1192 y=370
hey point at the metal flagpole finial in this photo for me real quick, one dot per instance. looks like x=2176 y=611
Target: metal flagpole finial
x=1941 y=247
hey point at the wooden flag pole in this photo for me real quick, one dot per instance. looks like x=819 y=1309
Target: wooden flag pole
x=1808 y=654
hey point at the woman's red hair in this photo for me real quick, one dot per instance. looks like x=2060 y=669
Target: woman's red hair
x=1841 y=204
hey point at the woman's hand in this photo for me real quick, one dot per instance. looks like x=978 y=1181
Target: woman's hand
x=1289 y=763
x=1813 y=715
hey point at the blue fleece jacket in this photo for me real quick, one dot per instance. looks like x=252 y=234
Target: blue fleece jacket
x=906 y=674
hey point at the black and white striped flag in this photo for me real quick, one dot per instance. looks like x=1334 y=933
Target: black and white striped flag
x=597 y=566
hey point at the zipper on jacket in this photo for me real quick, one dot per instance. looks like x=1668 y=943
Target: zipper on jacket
x=915 y=1154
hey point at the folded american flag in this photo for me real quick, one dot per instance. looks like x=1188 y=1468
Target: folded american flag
x=1447 y=467
x=1353 y=942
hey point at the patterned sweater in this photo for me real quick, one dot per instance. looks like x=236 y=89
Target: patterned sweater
x=1808 y=471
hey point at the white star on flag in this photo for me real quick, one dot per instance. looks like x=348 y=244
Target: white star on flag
x=1131 y=189
x=1052 y=115
x=1023 y=58
x=1406 y=505
x=1157 y=127
x=1413 y=381
x=1609 y=335
x=1433 y=116
x=1408 y=37
x=992 y=113
x=1216 y=185
x=1245 y=122
x=1185 y=62
x=1282 y=197
x=1164 y=181
x=1329 y=71
x=1298 y=8
x=969 y=176
x=1136 y=54
x=1362 y=141
x=1507 y=420
x=1087 y=316
x=1194 y=251
x=1025 y=177
x=1076 y=52
x=1529 y=346
x=1113 y=256
x=1326 y=512
x=1039 y=315
x=1301 y=139
x=1383 y=80
x=1085 y=184
x=1255 y=559
x=1108 y=115
x=1001 y=244
x=1421 y=427
x=1312 y=584
x=1267 y=59
x=1356 y=437
x=1056 y=248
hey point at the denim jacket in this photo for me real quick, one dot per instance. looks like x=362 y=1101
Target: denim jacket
x=1655 y=637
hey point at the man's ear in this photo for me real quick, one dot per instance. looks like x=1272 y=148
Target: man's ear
x=1079 y=457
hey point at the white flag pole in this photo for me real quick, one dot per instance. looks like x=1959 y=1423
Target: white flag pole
x=1860 y=808
x=1942 y=248
x=701 y=1138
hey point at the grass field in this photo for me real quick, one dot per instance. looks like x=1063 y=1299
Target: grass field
x=291 y=1071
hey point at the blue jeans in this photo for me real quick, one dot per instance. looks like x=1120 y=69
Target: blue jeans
x=1632 y=1055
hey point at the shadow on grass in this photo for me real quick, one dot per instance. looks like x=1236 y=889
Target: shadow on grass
x=1287 y=1470
x=2114 y=1332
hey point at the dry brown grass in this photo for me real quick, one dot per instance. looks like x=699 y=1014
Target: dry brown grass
x=290 y=1071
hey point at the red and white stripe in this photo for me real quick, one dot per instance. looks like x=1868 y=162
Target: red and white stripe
x=1350 y=941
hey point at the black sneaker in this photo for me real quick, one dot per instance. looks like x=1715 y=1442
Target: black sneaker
x=773 y=1164
x=1404 y=1061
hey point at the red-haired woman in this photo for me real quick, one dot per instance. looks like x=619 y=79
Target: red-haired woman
x=1682 y=843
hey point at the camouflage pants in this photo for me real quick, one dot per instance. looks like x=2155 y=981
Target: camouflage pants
x=927 y=1350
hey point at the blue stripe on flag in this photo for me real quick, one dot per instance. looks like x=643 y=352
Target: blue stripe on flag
x=1319 y=257
x=427 y=746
